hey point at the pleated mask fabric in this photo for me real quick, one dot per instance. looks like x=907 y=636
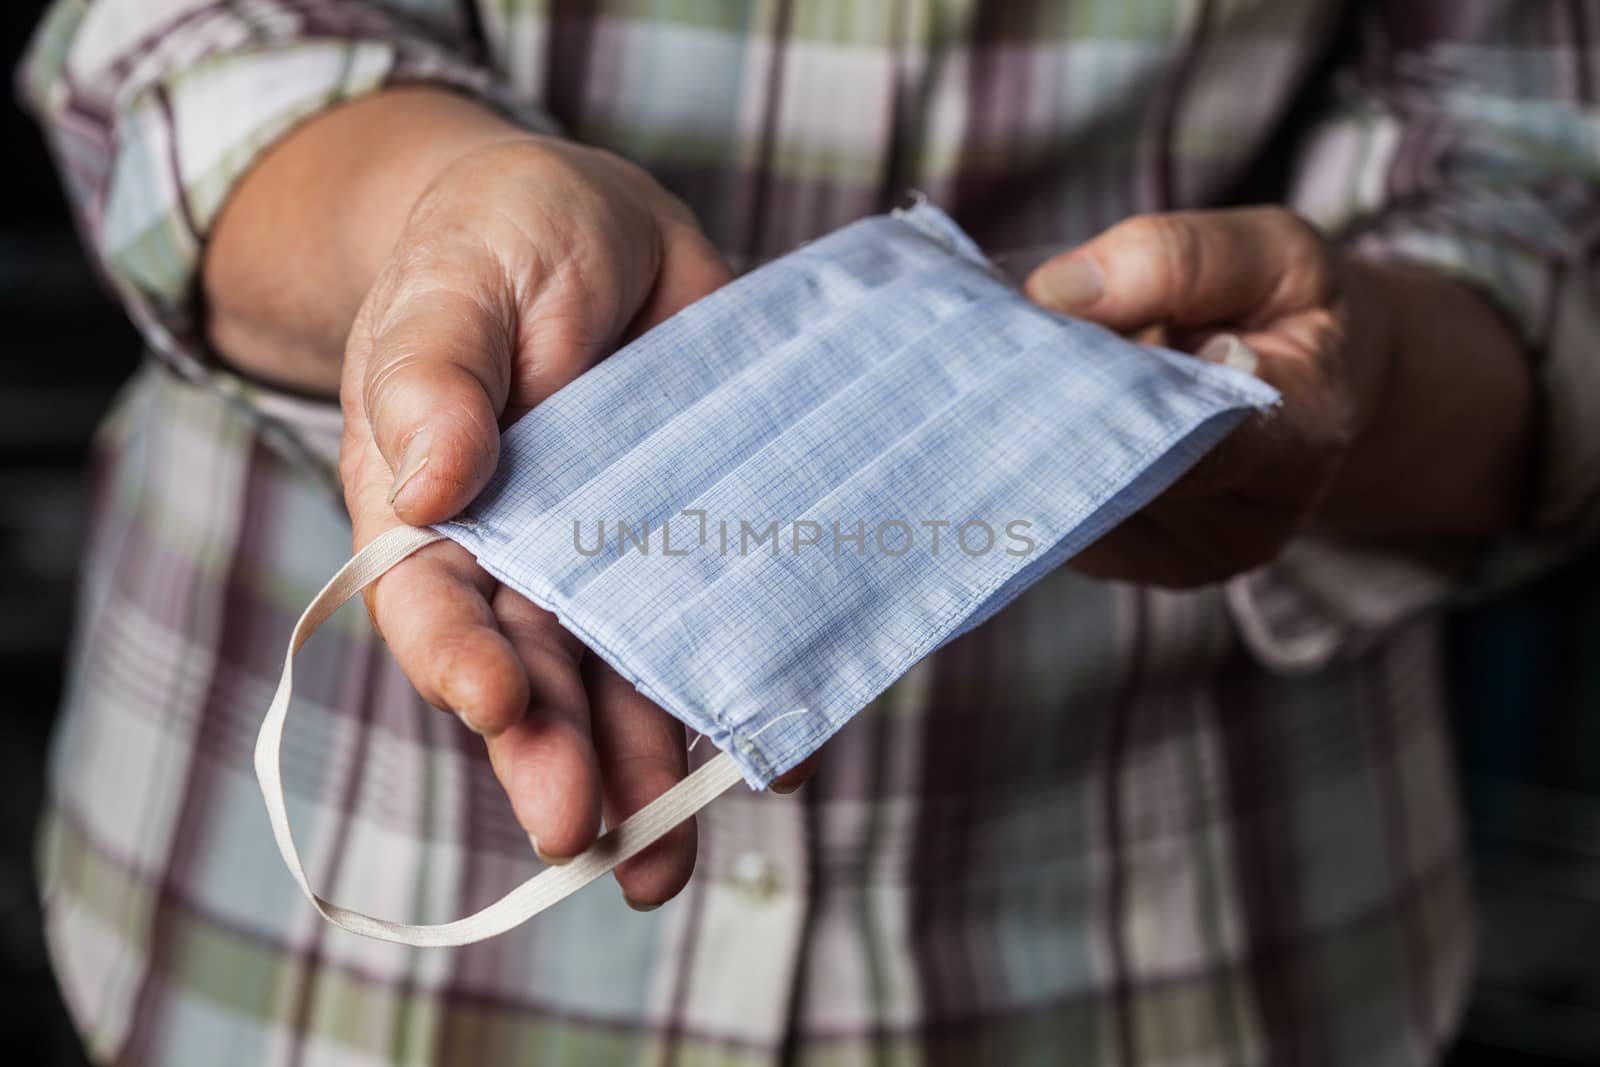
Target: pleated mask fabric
x=769 y=507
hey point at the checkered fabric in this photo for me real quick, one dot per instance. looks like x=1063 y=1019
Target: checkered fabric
x=1113 y=825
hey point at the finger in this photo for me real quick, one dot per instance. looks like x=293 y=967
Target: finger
x=1274 y=451
x=792 y=780
x=691 y=267
x=642 y=755
x=436 y=355
x=432 y=611
x=433 y=608
x=1246 y=266
x=544 y=758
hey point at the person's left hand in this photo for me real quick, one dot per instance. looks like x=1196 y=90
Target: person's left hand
x=1257 y=289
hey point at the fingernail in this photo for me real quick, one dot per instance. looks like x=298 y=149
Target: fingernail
x=412 y=460
x=1229 y=351
x=467 y=722
x=554 y=861
x=638 y=907
x=785 y=790
x=1073 y=284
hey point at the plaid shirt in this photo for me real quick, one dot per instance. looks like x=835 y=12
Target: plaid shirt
x=1113 y=825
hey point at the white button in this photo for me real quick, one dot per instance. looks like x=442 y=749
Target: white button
x=755 y=876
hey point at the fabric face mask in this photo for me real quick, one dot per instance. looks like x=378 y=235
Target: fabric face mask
x=771 y=506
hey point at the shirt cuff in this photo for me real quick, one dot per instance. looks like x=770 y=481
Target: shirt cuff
x=1322 y=600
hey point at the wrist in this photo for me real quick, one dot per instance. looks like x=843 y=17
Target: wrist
x=1442 y=410
x=306 y=230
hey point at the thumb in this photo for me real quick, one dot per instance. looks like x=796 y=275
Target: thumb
x=432 y=386
x=1247 y=266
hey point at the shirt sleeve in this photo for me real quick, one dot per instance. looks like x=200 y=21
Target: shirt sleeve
x=154 y=109
x=1464 y=136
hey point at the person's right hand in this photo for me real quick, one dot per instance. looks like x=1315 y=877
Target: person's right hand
x=446 y=271
x=521 y=265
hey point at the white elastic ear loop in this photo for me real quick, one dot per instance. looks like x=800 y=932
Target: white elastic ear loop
x=526 y=900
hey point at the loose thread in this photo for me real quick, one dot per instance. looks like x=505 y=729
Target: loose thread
x=774 y=722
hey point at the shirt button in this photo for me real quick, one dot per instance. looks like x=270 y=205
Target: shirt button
x=755 y=876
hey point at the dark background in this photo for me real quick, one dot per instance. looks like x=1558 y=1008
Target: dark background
x=66 y=349
x=1524 y=676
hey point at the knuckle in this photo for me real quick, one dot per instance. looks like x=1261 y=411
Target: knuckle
x=450 y=666
x=1171 y=246
x=377 y=391
x=440 y=357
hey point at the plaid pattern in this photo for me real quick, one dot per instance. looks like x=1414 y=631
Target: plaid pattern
x=1090 y=829
x=1106 y=827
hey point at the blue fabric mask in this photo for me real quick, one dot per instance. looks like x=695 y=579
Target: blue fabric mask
x=771 y=506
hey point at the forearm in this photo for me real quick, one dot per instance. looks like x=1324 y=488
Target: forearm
x=1445 y=448
x=301 y=239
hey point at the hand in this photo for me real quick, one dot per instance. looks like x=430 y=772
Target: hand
x=449 y=271
x=520 y=266
x=1407 y=400
x=1257 y=289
